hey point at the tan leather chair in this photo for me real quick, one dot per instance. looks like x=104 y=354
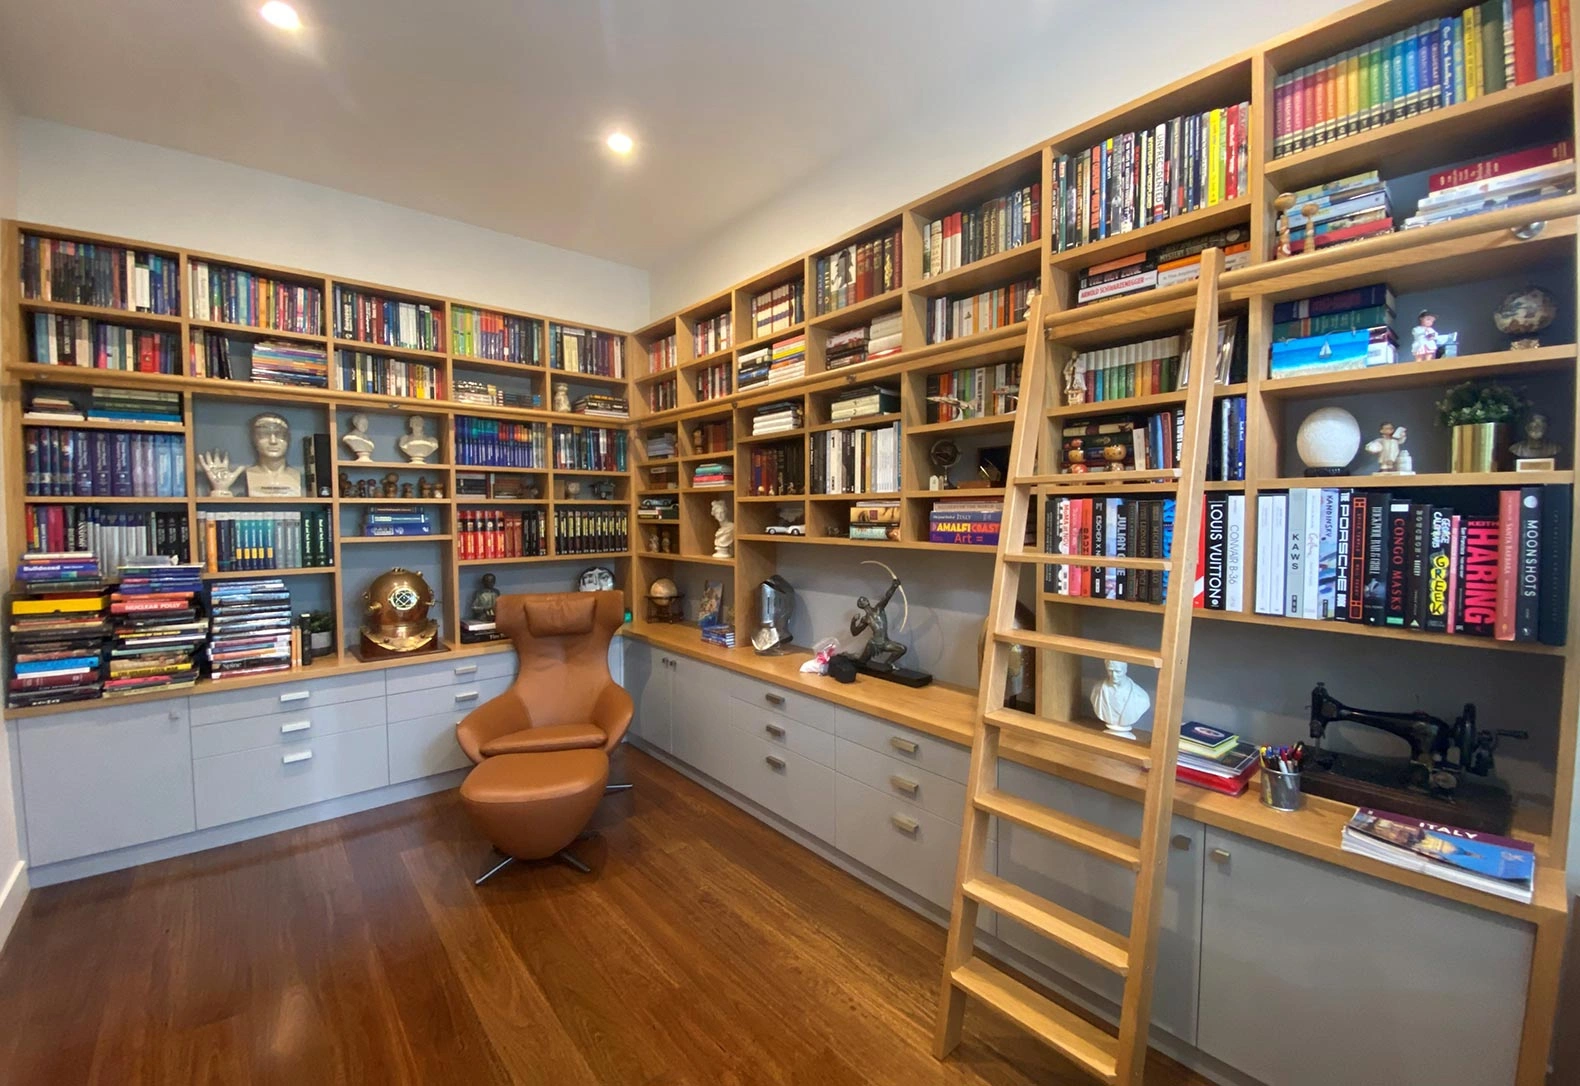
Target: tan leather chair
x=564 y=697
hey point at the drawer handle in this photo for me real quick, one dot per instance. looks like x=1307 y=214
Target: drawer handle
x=905 y=825
x=299 y=756
x=300 y=695
x=774 y=699
x=777 y=763
x=904 y=746
x=1179 y=843
x=1219 y=855
x=905 y=785
x=469 y=669
x=297 y=726
x=774 y=730
x=469 y=695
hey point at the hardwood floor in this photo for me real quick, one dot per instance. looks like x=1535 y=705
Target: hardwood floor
x=705 y=948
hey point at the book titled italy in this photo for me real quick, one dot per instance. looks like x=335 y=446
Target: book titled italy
x=1498 y=865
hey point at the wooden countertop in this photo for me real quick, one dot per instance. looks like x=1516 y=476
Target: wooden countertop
x=947 y=712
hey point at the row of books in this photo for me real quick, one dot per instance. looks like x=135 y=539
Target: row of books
x=662 y=395
x=969 y=522
x=1345 y=209
x=105 y=405
x=1145 y=368
x=110 y=534
x=219 y=292
x=712 y=382
x=1135 y=179
x=602 y=405
x=1511 y=180
x=1112 y=443
x=383 y=375
x=501 y=533
x=877 y=339
x=861 y=270
x=781 y=361
x=272 y=539
x=1161 y=266
x=495 y=443
x=875 y=519
x=1434 y=64
x=58 y=626
x=1111 y=527
x=496 y=337
x=776 y=469
x=108 y=276
x=588 y=448
x=100 y=345
x=469 y=390
x=714 y=475
x=973 y=393
x=663 y=354
x=863 y=401
x=711 y=335
x=591 y=531
x=777 y=418
x=401 y=520
x=711 y=437
x=856 y=461
x=64 y=463
x=777 y=309
x=956 y=317
x=1494 y=563
x=995 y=226
x=250 y=629
x=157 y=628
x=583 y=350
x=388 y=322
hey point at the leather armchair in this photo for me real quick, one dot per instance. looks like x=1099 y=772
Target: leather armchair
x=564 y=697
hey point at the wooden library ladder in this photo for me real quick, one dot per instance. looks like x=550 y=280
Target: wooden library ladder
x=1133 y=956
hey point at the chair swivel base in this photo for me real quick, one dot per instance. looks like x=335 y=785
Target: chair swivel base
x=503 y=861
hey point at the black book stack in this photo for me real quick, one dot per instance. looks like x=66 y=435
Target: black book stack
x=250 y=631
x=57 y=631
x=158 y=627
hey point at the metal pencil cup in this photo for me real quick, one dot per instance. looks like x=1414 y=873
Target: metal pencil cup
x=1281 y=791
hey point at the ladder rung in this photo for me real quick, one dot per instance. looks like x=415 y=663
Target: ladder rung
x=1082 y=646
x=1091 y=740
x=1066 y=1031
x=1087 y=478
x=1086 y=836
x=1106 y=562
x=1070 y=930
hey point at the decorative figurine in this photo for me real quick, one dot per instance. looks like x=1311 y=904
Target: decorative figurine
x=216 y=465
x=1534 y=452
x=366 y=488
x=270 y=477
x=484 y=599
x=406 y=490
x=391 y=484
x=696 y=440
x=1386 y=447
x=397 y=621
x=603 y=490
x=438 y=489
x=573 y=488
x=963 y=408
x=532 y=490
x=1309 y=242
x=343 y=486
x=1283 y=205
x=562 y=399
x=1118 y=702
x=595 y=579
x=652 y=541
x=415 y=443
x=724 y=538
x=1074 y=381
x=1523 y=314
x=943 y=455
x=881 y=652
x=665 y=544
x=424 y=488
x=1327 y=441
x=1423 y=338
x=357 y=440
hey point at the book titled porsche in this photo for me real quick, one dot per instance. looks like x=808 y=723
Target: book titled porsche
x=1504 y=866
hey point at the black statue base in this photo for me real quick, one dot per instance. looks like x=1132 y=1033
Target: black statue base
x=1383 y=784
x=902 y=675
x=1323 y=473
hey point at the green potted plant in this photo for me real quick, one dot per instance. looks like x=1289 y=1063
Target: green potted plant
x=1479 y=416
x=320 y=626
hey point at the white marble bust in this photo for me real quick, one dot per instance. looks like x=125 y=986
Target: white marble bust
x=357 y=440
x=1118 y=702
x=270 y=477
x=724 y=538
x=415 y=442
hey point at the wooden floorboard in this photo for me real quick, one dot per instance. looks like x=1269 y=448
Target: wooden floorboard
x=705 y=948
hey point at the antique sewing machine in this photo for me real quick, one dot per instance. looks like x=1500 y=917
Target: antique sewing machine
x=1431 y=785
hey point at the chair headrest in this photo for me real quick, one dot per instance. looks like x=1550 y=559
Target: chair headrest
x=561 y=614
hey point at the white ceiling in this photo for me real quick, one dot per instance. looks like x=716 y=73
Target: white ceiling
x=493 y=112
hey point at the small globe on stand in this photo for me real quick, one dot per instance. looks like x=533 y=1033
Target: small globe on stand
x=1327 y=441
x=1523 y=314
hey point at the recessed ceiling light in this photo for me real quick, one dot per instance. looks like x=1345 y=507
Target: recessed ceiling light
x=280 y=14
x=620 y=143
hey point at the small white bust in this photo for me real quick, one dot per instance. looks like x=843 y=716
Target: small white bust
x=357 y=440
x=1118 y=702
x=415 y=442
x=724 y=538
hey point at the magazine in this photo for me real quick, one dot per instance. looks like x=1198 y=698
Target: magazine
x=1483 y=861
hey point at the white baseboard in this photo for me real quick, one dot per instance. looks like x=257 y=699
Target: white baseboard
x=13 y=893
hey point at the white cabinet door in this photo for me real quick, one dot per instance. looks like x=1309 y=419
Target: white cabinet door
x=1379 y=983
x=1103 y=892
x=649 y=677
x=105 y=779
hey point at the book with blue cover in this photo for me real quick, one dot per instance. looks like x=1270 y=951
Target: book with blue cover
x=1498 y=865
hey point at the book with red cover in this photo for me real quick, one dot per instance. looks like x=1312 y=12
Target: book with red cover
x=1229 y=786
x=1508 y=563
x=1513 y=162
x=1524 y=41
x=1478 y=586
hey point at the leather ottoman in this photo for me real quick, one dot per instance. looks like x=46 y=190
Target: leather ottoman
x=531 y=806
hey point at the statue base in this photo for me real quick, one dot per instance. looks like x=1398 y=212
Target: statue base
x=1535 y=463
x=1323 y=473
x=902 y=675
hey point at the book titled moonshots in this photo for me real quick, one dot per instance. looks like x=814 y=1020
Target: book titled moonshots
x=1483 y=861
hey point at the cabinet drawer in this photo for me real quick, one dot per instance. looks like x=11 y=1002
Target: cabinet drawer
x=290 y=727
x=425 y=746
x=943 y=758
x=462 y=671
x=445 y=699
x=285 y=697
x=796 y=789
x=781 y=702
x=898 y=840
x=785 y=732
x=903 y=781
x=250 y=783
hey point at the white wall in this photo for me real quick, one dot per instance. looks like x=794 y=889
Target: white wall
x=1094 y=59
x=88 y=181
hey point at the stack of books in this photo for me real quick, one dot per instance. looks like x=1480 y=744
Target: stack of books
x=1492 y=184
x=1164 y=266
x=1212 y=758
x=475 y=631
x=467 y=390
x=134 y=405
x=721 y=635
x=1334 y=212
x=92 y=344
x=974 y=522
x=57 y=631
x=856 y=461
x=1347 y=329
x=788 y=361
x=250 y=629
x=875 y=519
x=997 y=225
x=158 y=628
x=711 y=335
x=658 y=508
x=502 y=533
x=52 y=407
x=752 y=368
x=863 y=402
x=713 y=475
x=956 y=317
x=777 y=418
x=391 y=520
x=1504 y=866
x=847 y=348
x=778 y=309
x=883 y=336
x=861 y=270
x=276 y=363
x=973 y=393
x=477 y=333
x=382 y=375
x=602 y=405
x=661 y=446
